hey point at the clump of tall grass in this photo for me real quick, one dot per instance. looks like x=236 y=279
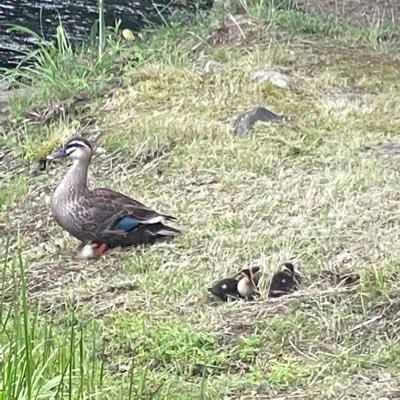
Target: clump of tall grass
x=44 y=360
x=37 y=360
x=62 y=69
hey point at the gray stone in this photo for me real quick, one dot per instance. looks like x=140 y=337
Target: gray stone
x=274 y=77
x=244 y=122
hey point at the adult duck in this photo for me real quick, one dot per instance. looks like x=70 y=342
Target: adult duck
x=102 y=217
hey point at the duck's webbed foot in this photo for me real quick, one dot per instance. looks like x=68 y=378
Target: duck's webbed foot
x=90 y=251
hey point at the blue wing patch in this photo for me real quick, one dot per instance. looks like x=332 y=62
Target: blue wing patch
x=127 y=224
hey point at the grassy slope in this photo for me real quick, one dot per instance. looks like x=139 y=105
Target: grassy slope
x=302 y=190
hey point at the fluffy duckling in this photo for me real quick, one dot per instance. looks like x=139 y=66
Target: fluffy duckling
x=248 y=283
x=242 y=285
x=285 y=281
x=225 y=289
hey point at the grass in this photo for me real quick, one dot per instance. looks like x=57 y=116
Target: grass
x=139 y=323
x=12 y=190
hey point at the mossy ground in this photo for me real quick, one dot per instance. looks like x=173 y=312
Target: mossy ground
x=303 y=189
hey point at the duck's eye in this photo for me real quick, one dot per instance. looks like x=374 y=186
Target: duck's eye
x=224 y=287
x=283 y=281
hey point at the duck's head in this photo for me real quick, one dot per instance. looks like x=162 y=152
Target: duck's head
x=77 y=148
x=291 y=270
x=248 y=280
x=253 y=274
x=285 y=281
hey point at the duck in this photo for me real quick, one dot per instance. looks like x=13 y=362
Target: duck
x=225 y=289
x=285 y=281
x=243 y=284
x=101 y=218
x=248 y=283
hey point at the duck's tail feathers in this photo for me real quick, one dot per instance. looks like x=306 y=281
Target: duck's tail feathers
x=164 y=230
x=169 y=217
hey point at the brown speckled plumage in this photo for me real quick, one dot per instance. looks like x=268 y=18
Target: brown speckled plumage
x=96 y=215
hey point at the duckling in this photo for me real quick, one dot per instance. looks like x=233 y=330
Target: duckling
x=285 y=281
x=102 y=216
x=225 y=289
x=241 y=285
x=247 y=286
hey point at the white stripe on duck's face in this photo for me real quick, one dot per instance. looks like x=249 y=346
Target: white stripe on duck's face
x=78 y=150
x=79 y=143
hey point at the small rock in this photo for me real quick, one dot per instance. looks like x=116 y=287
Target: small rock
x=274 y=77
x=244 y=122
x=384 y=377
x=214 y=66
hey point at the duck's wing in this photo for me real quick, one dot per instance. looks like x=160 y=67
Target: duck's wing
x=120 y=212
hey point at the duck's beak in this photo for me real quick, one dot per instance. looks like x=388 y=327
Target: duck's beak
x=213 y=290
x=58 y=154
